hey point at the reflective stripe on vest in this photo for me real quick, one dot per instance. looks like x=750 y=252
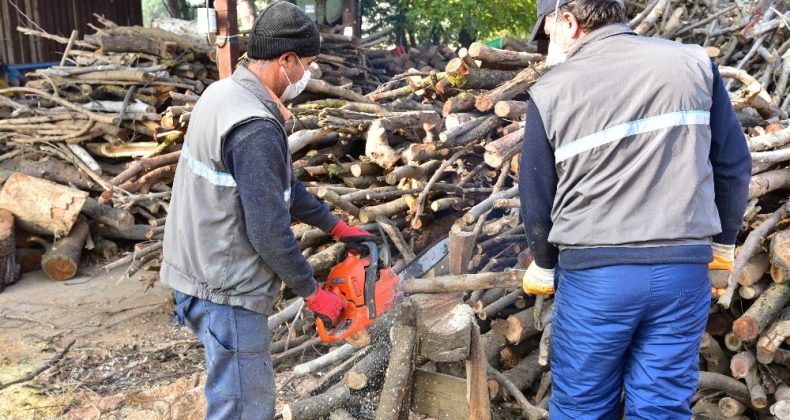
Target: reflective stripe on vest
x=202 y=170
x=619 y=132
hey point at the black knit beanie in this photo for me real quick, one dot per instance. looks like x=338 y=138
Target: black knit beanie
x=280 y=28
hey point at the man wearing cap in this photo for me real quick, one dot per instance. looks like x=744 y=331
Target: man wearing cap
x=228 y=243
x=634 y=176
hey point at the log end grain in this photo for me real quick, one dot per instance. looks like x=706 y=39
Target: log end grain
x=59 y=269
x=746 y=328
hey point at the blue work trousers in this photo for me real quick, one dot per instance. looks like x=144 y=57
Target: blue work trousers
x=240 y=378
x=628 y=327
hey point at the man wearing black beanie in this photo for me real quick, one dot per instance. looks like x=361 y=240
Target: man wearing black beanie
x=228 y=244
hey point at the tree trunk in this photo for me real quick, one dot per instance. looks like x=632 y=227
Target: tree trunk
x=62 y=260
x=443 y=327
x=511 y=110
x=521 y=326
x=57 y=171
x=780 y=256
x=396 y=394
x=42 y=206
x=462 y=76
x=711 y=351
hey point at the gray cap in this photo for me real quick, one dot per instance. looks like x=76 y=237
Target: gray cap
x=544 y=8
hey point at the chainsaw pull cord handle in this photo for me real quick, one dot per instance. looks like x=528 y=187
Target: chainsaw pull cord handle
x=371 y=273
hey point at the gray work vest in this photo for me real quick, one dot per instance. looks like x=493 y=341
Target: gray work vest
x=206 y=250
x=628 y=119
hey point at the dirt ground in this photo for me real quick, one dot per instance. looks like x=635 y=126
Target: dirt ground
x=128 y=359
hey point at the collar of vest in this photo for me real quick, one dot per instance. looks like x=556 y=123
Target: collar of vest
x=247 y=80
x=600 y=34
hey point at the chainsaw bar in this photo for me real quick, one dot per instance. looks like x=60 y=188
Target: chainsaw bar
x=427 y=260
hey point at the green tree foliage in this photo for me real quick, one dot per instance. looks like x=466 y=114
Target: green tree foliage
x=450 y=21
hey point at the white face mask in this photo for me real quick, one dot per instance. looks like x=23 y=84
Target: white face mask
x=294 y=89
x=556 y=54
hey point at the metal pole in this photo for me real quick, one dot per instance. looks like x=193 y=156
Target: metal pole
x=227 y=37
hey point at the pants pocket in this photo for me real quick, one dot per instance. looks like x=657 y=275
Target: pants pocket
x=692 y=307
x=222 y=367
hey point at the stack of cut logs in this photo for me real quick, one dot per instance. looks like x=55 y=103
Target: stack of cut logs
x=425 y=155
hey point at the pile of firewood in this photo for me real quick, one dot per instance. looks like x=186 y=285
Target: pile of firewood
x=424 y=155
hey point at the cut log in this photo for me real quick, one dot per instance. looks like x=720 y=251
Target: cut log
x=457 y=283
x=509 y=90
x=62 y=260
x=443 y=327
x=730 y=407
x=493 y=343
x=502 y=59
x=476 y=378
x=334 y=356
x=757 y=393
x=42 y=206
x=390 y=209
x=764 y=309
x=57 y=171
x=766 y=182
x=117 y=218
x=462 y=76
x=724 y=383
x=711 y=351
x=521 y=326
x=396 y=393
x=318 y=406
x=370 y=369
x=9 y=268
x=741 y=364
x=755 y=269
x=780 y=256
x=461 y=248
x=511 y=110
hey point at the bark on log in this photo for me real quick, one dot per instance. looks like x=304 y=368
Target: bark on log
x=330 y=358
x=476 y=388
x=117 y=218
x=755 y=269
x=766 y=182
x=511 y=110
x=780 y=256
x=288 y=313
x=498 y=150
x=757 y=393
x=462 y=76
x=324 y=88
x=392 y=208
x=457 y=283
x=509 y=90
x=530 y=411
x=711 y=351
x=318 y=406
x=9 y=269
x=396 y=393
x=57 y=171
x=493 y=343
x=366 y=372
x=502 y=58
x=764 y=309
x=42 y=206
x=521 y=326
x=724 y=383
x=62 y=260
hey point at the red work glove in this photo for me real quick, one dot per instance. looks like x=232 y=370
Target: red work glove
x=326 y=305
x=343 y=232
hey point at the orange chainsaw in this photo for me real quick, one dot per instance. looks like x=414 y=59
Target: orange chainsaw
x=369 y=286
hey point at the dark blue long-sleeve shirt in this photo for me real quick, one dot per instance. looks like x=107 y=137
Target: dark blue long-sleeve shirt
x=257 y=158
x=729 y=157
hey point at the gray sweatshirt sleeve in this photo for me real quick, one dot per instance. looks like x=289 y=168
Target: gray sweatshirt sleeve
x=256 y=156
